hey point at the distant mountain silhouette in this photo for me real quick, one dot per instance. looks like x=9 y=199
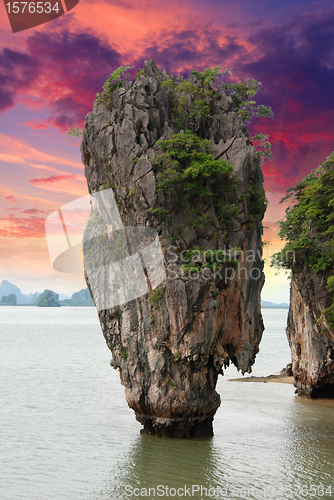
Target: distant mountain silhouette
x=7 y=288
x=282 y=305
x=48 y=299
x=8 y=300
x=81 y=298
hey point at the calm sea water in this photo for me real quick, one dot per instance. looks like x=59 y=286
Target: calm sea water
x=67 y=433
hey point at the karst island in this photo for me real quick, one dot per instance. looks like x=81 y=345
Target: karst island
x=172 y=158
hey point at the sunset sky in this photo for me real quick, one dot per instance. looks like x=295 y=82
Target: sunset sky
x=49 y=76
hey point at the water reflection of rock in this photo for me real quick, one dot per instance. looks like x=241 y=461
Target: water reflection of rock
x=169 y=463
x=266 y=441
x=310 y=448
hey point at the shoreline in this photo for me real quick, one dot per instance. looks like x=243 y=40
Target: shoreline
x=278 y=379
x=285 y=377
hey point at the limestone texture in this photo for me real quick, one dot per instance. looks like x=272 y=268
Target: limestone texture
x=169 y=349
x=310 y=337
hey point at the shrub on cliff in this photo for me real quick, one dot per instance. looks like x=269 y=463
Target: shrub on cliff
x=202 y=86
x=188 y=159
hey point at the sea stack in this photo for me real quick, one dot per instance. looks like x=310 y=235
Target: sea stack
x=310 y=335
x=171 y=344
x=308 y=253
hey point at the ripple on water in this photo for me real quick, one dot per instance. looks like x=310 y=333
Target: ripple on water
x=66 y=432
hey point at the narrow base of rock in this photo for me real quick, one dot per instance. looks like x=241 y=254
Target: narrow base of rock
x=315 y=392
x=181 y=428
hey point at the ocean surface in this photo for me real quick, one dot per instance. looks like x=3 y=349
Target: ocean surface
x=66 y=432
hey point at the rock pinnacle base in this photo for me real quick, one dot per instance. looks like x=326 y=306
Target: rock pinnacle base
x=181 y=428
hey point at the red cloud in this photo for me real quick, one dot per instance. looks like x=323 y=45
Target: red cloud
x=36 y=124
x=293 y=106
x=53 y=178
x=61 y=70
x=19 y=227
x=11 y=198
x=33 y=211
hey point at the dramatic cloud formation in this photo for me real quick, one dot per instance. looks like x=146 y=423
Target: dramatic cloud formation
x=21 y=227
x=296 y=66
x=55 y=72
x=33 y=211
x=37 y=124
x=23 y=153
x=193 y=48
x=67 y=184
x=62 y=70
x=294 y=61
x=18 y=71
x=54 y=178
x=72 y=68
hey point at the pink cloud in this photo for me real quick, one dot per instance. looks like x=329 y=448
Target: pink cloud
x=36 y=124
x=33 y=211
x=68 y=184
x=20 y=227
x=52 y=179
x=16 y=150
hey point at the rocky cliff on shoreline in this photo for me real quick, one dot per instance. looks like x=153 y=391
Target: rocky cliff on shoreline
x=178 y=160
x=310 y=336
x=309 y=254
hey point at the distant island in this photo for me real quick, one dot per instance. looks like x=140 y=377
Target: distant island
x=81 y=298
x=48 y=299
x=273 y=305
x=9 y=300
x=11 y=295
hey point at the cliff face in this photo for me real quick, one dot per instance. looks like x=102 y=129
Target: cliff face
x=308 y=228
x=309 y=334
x=170 y=345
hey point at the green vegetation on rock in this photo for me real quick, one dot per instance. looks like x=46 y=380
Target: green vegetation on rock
x=115 y=81
x=186 y=171
x=156 y=296
x=187 y=159
x=75 y=132
x=308 y=227
x=199 y=89
x=209 y=84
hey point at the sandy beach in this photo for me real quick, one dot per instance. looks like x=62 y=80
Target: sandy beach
x=278 y=379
